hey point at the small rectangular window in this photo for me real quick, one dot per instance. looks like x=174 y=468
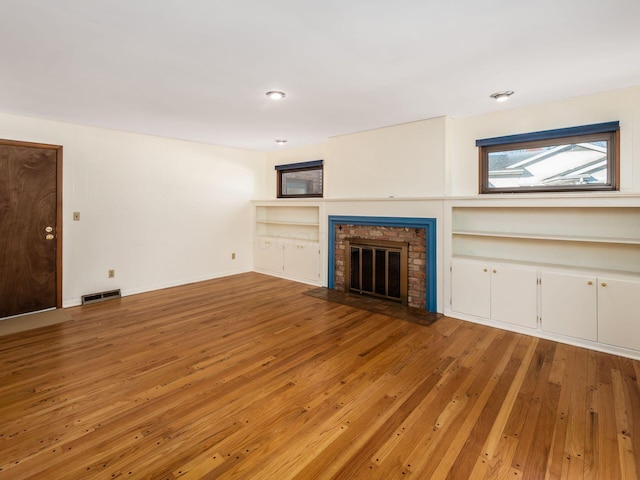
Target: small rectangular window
x=569 y=159
x=297 y=180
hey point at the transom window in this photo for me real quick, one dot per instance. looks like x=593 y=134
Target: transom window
x=297 y=180
x=569 y=159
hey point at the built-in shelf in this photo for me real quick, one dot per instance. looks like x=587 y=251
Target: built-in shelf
x=281 y=222
x=557 y=236
x=298 y=222
x=541 y=236
x=565 y=272
x=287 y=240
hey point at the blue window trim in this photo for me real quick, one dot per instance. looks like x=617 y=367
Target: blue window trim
x=429 y=224
x=550 y=134
x=296 y=166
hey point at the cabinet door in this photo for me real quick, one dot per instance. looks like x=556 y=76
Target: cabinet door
x=268 y=255
x=619 y=312
x=568 y=305
x=514 y=295
x=302 y=259
x=470 y=288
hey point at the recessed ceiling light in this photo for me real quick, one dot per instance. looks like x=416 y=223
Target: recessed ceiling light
x=501 y=96
x=281 y=141
x=276 y=95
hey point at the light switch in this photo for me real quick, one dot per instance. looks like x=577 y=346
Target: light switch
x=76 y=216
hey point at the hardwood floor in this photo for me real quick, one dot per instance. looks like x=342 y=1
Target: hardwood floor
x=246 y=377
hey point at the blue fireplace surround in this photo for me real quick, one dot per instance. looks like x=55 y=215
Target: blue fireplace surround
x=429 y=225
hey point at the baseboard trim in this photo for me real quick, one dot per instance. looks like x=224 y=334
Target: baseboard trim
x=576 y=342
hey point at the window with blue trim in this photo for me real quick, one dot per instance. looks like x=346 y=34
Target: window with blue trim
x=568 y=159
x=297 y=180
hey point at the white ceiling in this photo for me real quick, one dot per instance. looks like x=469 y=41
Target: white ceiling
x=199 y=69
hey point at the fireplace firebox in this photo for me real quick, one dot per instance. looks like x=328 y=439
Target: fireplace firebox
x=377 y=268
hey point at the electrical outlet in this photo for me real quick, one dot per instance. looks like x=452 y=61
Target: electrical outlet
x=112 y=273
x=76 y=216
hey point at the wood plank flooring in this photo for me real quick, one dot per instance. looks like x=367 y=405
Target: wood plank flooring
x=246 y=377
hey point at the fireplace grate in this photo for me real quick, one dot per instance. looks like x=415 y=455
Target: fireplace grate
x=377 y=268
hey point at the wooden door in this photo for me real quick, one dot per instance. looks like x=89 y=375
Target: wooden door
x=30 y=227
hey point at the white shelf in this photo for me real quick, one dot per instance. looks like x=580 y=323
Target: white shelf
x=293 y=237
x=565 y=238
x=282 y=222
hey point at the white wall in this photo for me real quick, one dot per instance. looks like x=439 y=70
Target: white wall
x=623 y=105
x=438 y=157
x=160 y=212
x=399 y=161
x=402 y=161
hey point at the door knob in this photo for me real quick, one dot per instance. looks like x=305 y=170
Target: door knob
x=49 y=237
x=49 y=229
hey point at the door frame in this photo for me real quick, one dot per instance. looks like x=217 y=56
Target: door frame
x=58 y=150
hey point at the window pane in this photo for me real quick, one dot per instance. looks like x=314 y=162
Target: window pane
x=394 y=274
x=367 y=270
x=355 y=268
x=549 y=166
x=381 y=272
x=302 y=182
x=573 y=159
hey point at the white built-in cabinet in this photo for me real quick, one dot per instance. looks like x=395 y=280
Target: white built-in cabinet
x=471 y=277
x=619 y=312
x=568 y=271
x=601 y=309
x=504 y=293
x=568 y=304
x=269 y=254
x=287 y=241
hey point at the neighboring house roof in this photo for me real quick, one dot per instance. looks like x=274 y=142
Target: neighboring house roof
x=572 y=164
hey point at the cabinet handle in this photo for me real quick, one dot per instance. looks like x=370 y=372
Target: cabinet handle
x=589 y=282
x=604 y=284
x=495 y=271
x=485 y=269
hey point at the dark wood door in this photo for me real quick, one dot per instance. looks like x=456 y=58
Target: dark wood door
x=30 y=243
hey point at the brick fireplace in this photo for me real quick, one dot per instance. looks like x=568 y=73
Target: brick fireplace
x=418 y=233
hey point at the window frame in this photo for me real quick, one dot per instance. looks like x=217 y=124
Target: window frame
x=583 y=134
x=300 y=167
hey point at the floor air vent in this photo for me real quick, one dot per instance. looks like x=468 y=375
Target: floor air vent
x=100 y=297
